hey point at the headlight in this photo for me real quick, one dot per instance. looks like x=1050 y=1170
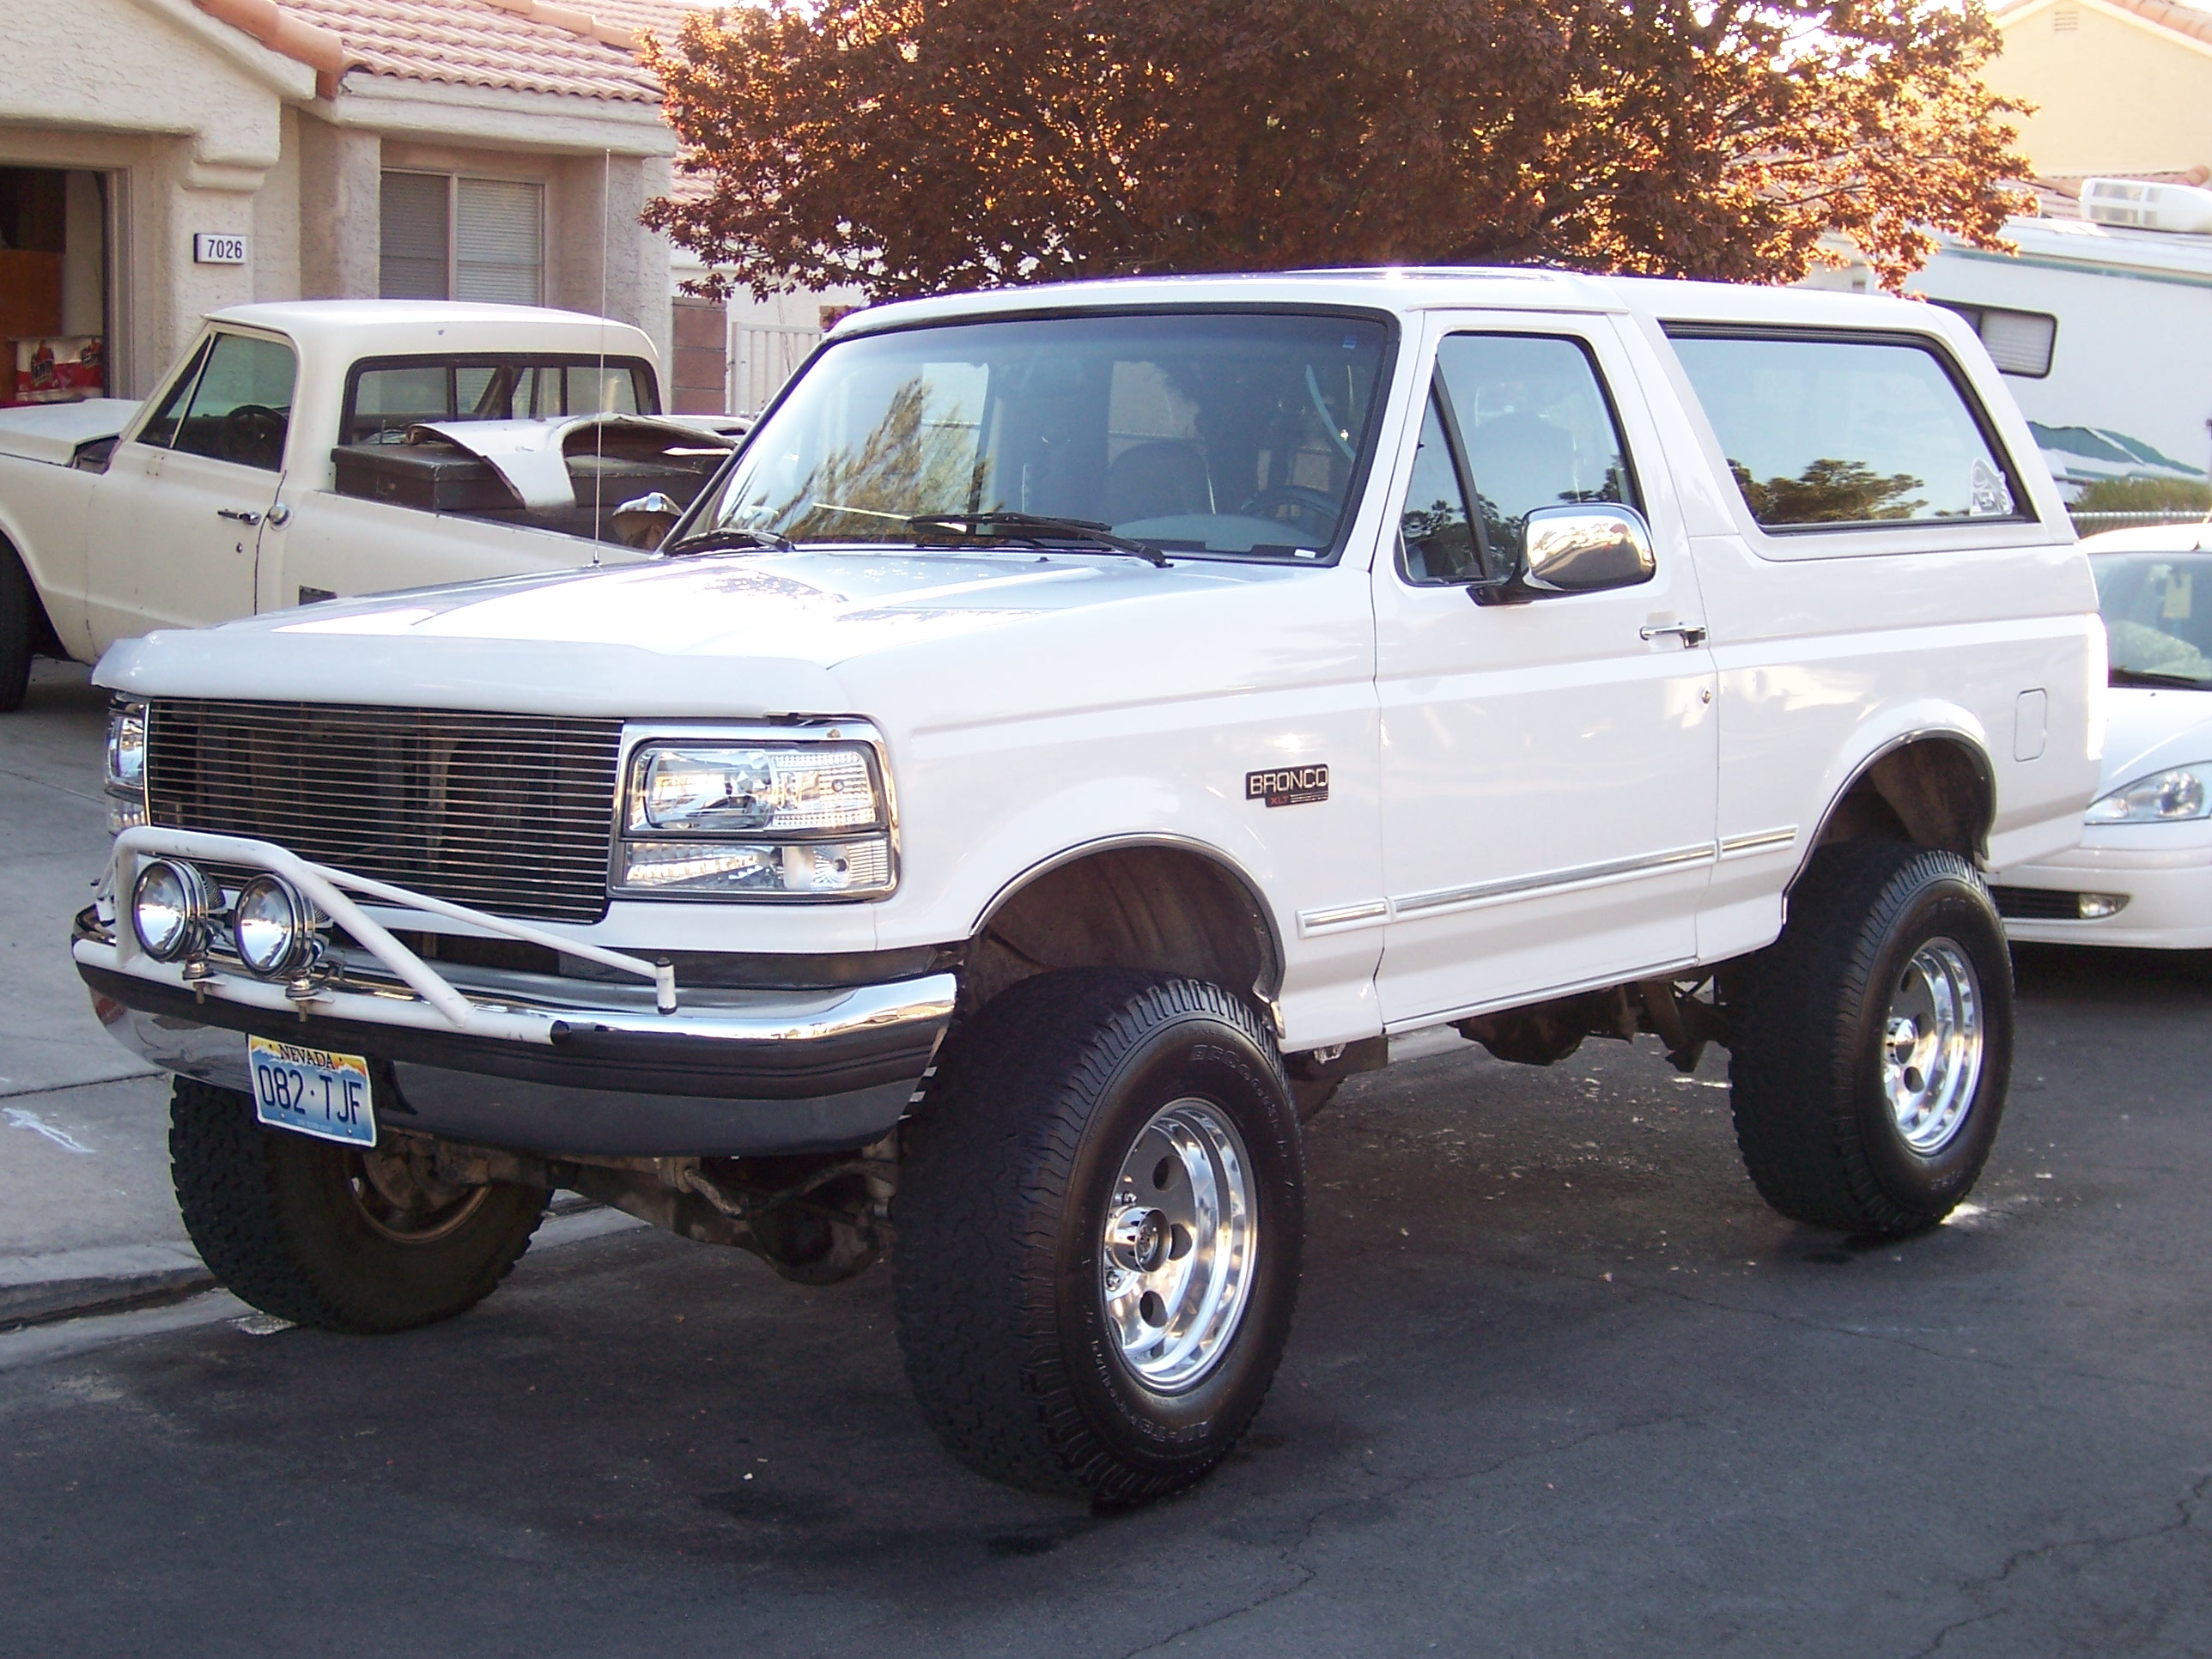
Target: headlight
x=127 y=766
x=754 y=820
x=2170 y=797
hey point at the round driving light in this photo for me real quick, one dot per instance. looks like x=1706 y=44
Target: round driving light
x=269 y=924
x=168 y=909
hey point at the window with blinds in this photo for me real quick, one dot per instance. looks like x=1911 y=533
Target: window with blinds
x=450 y=237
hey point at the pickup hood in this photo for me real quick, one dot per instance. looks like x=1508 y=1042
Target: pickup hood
x=2151 y=729
x=53 y=433
x=811 y=631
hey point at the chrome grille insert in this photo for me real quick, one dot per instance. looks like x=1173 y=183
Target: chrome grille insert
x=511 y=813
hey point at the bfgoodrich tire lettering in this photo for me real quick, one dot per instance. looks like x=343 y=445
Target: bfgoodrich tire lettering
x=297 y=1227
x=1015 y=1165
x=1873 y=1040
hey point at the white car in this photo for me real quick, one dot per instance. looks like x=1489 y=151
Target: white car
x=2143 y=873
x=305 y=451
x=1080 y=726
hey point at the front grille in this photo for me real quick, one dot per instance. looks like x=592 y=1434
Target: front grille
x=510 y=813
x=2036 y=904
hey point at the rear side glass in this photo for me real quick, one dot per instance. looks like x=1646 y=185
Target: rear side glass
x=242 y=406
x=1822 y=433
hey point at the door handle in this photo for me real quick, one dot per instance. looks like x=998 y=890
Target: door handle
x=1692 y=634
x=233 y=512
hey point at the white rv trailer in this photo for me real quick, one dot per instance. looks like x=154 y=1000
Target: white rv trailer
x=2102 y=325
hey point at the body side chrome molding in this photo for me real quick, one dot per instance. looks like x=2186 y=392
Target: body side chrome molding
x=1574 y=875
x=1759 y=840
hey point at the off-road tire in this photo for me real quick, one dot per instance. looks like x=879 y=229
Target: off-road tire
x=272 y=1213
x=1816 y=1128
x=1011 y=1164
x=19 y=626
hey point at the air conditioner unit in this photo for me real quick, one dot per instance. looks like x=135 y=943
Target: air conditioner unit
x=2142 y=206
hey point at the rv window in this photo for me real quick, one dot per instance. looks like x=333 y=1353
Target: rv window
x=1829 y=431
x=2020 y=342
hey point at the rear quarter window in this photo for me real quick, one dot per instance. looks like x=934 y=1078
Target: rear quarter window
x=1828 y=432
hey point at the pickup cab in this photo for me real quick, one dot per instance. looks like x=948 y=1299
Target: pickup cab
x=302 y=452
x=1079 y=728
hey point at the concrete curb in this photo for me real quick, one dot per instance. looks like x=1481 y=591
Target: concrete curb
x=36 y=1288
x=45 y=1289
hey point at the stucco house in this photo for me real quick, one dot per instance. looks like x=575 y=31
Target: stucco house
x=159 y=158
x=2120 y=86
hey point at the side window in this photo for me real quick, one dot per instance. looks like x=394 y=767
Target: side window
x=1823 y=433
x=1433 y=525
x=242 y=406
x=161 y=430
x=1524 y=421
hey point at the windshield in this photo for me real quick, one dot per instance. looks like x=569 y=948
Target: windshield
x=1238 y=435
x=2157 y=629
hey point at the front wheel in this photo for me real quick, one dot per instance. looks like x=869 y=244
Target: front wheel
x=325 y=1236
x=1098 y=1230
x=19 y=612
x=1873 y=1040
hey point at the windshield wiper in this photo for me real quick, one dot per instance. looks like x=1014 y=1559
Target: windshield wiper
x=726 y=535
x=1035 y=528
x=2147 y=677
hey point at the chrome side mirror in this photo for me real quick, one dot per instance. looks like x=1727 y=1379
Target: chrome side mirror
x=643 y=521
x=1577 y=548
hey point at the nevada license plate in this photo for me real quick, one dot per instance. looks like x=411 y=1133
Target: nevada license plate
x=312 y=1090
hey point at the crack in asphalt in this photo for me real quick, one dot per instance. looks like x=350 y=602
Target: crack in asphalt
x=1398 y=1486
x=2184 y=1515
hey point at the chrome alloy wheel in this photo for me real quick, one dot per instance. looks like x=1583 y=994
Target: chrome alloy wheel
x=1181 y=1241
x=1931 y=1045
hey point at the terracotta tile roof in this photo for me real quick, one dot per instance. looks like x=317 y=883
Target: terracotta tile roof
x=584 y=51
x=2192 y=20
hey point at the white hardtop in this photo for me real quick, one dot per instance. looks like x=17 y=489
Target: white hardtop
x=1410 y=290
x=378 y=328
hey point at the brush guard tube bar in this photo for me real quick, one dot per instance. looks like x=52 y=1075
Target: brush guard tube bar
x=561 y=1066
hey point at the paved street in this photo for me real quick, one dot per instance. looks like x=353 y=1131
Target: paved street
x=1559 y=1385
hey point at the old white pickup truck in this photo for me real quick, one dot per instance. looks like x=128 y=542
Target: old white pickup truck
x=299 y=452
x=1080 y=726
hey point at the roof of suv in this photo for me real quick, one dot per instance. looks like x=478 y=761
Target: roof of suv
x=1424 y=288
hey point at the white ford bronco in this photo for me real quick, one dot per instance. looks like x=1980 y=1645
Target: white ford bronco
x=1078 y=728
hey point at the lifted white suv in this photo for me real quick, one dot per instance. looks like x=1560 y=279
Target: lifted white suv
x=1078 y=728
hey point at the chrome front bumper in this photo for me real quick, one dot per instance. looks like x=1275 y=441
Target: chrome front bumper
x=527 y=1062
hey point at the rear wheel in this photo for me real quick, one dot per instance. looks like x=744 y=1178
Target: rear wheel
x=1099 y=1234
x=329 y=1236
x=1873 y=1040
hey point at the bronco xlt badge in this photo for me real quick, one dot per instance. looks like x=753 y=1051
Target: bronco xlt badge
x=1287 y=786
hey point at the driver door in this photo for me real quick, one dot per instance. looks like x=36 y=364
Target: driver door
x=176 y=526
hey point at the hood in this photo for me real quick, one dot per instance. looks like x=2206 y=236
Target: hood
x=53 y=433
x=2153 y=728
x=755 y=632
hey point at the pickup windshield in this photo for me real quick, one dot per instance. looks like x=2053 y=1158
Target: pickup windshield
x=1238 y=435
x=2159 y=635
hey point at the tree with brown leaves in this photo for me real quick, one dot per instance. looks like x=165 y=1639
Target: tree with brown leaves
x=915 y=146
